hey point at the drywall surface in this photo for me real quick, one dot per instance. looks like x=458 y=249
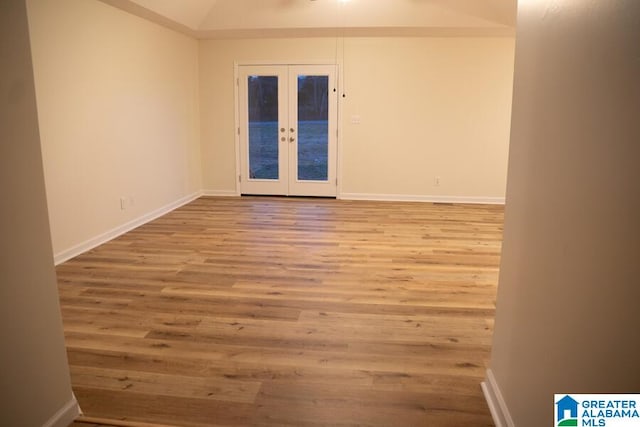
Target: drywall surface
x=567 y=307
x=35 y=377
x=118 y=106
x=426 y=107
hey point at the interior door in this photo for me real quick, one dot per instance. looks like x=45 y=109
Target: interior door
x=288 y=130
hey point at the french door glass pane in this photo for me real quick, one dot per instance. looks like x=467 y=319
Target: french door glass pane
x=263 y=127
x=313 y=128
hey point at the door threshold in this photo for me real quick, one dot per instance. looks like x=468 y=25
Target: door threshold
x=287 y=197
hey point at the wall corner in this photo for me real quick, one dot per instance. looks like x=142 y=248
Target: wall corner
x=495 y=401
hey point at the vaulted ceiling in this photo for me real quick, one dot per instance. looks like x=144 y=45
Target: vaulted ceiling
x=250 y=18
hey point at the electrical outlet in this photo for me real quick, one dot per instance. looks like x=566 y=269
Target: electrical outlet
x=436 y=181
x=123 y=203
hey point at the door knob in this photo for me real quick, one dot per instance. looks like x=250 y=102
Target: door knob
x=283 y=139
x=292 y=139
x=282 y=130
x=292 y=130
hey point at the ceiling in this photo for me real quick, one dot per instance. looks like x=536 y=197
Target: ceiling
x=251 y=18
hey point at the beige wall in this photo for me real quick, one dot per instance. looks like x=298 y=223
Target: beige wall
x=567 y=309
x=35 y=381
x=428 y=107
x=118 y=106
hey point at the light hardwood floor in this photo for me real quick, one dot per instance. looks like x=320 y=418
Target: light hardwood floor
x=301 y=312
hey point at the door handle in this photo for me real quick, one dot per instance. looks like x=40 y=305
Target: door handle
x=292 y=130
x=292 y=139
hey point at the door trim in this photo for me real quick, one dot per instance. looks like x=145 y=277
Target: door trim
x=339 y=122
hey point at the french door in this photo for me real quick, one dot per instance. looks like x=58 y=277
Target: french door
x=288 y=130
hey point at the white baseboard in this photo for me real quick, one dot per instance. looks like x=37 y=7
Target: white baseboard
x=220 y=193
x=74 y=251
x=497 y=405
x=388 y=197
x=87 y=245
x=65 y=415
x=419 y=198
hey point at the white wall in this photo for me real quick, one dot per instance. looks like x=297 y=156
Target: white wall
x=567 y=308
x=428 y=106
x=118 y=106
x=35 y=377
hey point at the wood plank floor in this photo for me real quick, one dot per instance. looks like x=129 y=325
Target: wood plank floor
x=275 y=312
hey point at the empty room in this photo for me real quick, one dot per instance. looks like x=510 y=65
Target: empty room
x=317 y=212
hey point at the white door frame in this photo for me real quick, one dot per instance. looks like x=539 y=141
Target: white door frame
x=334 y=130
